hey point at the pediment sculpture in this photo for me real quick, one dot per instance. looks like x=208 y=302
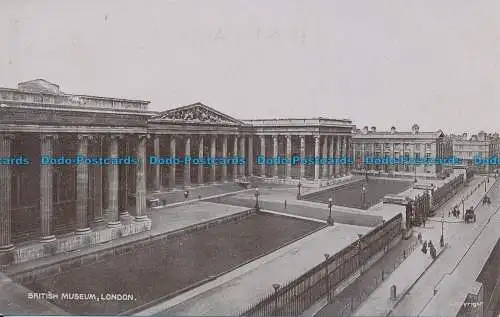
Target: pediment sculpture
x=196 y=114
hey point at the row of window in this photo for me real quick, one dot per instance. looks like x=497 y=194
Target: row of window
x=396 y=155
x=388 y=146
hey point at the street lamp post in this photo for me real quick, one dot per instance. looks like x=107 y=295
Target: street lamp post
x=276 y=288
x=441 y=241
x=415 y=173
x=463 y=208
x=363 y=193
x=257 y=207
x=327 y=278
x=485 y=186
x=299 y=185
x=329 y=221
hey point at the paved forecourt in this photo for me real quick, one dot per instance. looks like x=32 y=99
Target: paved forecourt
x=378 y=303
x=175 y=218
x=245 y=286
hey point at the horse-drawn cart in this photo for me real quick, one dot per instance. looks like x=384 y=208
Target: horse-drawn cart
x=486 y=200
x=470 y=216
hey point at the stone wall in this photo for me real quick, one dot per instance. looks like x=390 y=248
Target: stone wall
x=306 y=182
x=75 y=242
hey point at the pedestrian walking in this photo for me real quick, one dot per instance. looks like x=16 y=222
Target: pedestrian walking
x=285 y=204
x=432 y=251
x=419 y=237
x=424 y=247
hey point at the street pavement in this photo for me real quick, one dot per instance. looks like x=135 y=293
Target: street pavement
x=344 y=303
x=456 y=270
x=378 y=303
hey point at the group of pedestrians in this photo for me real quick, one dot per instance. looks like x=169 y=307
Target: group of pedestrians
x=455 y=212
x=427 y=245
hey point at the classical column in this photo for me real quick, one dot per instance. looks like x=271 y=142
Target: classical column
x=82 y=187
x=200 y=166
x=157 y=167
x=46 y=185
x=340 y=147
x=140 y=179
x=412 y=155
x=332 y=155
x=98 y=218
x=123 y=170
x=348 y=153
x=373 y=166
x=5 y=192
x=289 y=156
x=187 y=165
x=235 y=154
x=113 y=184
x=302 y=156
x=171 y=176
x=275 y=155
x=344 y=154
x=213 y=153
x=324 y=154
x=339 y=156
x=250 y=156
x=393 y=148
x=316 y=156
x=242 y=154
x=224 y=155
x=263 y=153
x=362 y=158
x=354 y=155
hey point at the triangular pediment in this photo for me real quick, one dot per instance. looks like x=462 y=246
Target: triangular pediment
x=196 y=113
x=39 y=86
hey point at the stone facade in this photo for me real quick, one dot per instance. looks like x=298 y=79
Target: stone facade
x=481 y=145
x=398 y=144
x=43 y=203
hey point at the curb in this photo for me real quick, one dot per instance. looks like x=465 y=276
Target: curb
x=291 y=216
x=190 y=201
x=322 y=303
x=407 y=290
x=330 y=187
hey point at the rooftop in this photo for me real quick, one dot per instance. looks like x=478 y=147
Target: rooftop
x=39 y=92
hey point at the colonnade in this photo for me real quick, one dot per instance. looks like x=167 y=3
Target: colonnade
x=318 y=146
x=117 y=200
x=103 y=190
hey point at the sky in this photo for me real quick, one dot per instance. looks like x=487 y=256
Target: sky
x=377 y=62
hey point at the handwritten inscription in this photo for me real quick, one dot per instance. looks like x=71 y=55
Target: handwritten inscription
x=260 y=34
